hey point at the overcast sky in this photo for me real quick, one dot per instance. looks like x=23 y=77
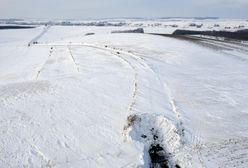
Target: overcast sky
x=83 y=9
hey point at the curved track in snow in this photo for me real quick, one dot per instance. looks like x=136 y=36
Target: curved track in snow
x=112 y=100
x=139 y=123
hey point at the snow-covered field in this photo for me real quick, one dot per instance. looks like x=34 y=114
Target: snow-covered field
x=102 y=100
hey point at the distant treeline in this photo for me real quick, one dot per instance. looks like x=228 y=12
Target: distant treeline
x=238 y=35
x=138 y=30
x=15 y=27
x=196 y=18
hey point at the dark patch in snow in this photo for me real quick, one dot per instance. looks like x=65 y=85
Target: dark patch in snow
x=239 y=35
x=16 y=27
x=177 y=166
x=159 y=139
x=88 y=34
x=139 y=30
x=159 y=157
x=130 y=120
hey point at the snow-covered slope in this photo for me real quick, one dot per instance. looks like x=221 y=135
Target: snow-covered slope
x=102 y=100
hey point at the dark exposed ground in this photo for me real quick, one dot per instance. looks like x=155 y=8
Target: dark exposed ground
x=16 y=27
x=158 y=157
x=139 y=30
x=239 y=35
x=215 y=44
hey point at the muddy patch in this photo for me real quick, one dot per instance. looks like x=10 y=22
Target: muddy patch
x=158 y=156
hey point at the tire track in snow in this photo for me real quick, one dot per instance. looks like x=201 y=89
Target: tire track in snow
x=180 y=126
x=174 y=108
x=40 y=70
x=133 y=67
x=157 y=139
x=50 y=54
x=136 y=62
x=119 y=54
x=34 y=40
x=177 y=113
x=142 y=62
x=72 y=57
x=161 y=126
x=135 y=84
x=167 y=90
x=172 y=101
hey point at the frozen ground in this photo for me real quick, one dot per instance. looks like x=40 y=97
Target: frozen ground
x=102 y=100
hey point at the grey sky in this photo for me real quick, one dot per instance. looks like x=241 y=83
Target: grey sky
x=83 y=9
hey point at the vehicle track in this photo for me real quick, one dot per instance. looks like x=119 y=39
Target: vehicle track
x=155 y=130
x=136 y=62
x=72 y=57
x=133 y=67
x=160 y=131
x=166 y=89
x=42 y=66
x=35 y=39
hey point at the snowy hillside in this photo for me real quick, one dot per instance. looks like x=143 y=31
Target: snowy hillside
x=103 y=100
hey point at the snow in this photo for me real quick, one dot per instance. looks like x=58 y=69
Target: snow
x=74 y=100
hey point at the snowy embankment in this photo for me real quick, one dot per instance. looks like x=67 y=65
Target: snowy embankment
x=104 y=100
